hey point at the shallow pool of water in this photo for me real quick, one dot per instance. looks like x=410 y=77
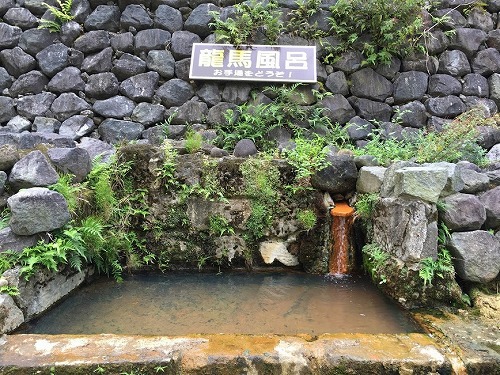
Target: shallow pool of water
x=246 y=303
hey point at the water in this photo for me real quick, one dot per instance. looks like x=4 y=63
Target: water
x=182 y=304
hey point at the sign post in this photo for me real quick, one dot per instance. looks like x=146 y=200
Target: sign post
x=253 y=63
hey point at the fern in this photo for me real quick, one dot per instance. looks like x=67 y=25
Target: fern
x=69 y=191
x=61 y=15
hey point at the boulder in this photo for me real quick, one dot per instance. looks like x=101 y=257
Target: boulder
x=68 y=79
x=236 y=92
x=99 y=62
x=3 y=180
x=420 y=63
x=182 y=69
x=491 y=201
x=175 y=92
x=467 y=40
x=127 y=66
x=123 y=42
x=412 y=114
x=70 y=31
x=454 y=62
x=30 y=83
x=493 y=39
x=337 y=108
x=479 y=19
x=43 y=289
x=455 y=182
x=45 y=125
x=476 y=255
x=444 y=85
x=209 y=93
x=5 y=79
x=217 y=114
x=486 y=62
x=31 y=106
x=462 y=212
x=410 y=86
x=475 y=85
x=423 y=183
x=366 y=83
x=348 y=62
x=493 y=154
x=16 y=61
x=358 y=128
x=92 y=41
x=370 y=179
x=9 y=155
x=339 y=177
x=168 y=18
x=37 y=210
x=11 y=316
x=199 y=20
x=33 y=41
x=135 y=16
x=371 y=110
x=102 y=85
x=336 y=83
x=474 y=182
x=7 y=109
x=191 y=112
x=76 y=127
x=9 y=35
x=448 y=106
x=182 y=43
x=115 y=131
x=67 y=105
x=53 y=59
x=104 y=17
x=11 y=241
x=147 y=40
x=32 y=170
x=494 y=84
x=406 y=229
x=161 y=62
x=75 y=161
x=141 y=87
x=148 y=114
x=115 y=107
x=97 y=148
x=245 y=148
x=18 y=124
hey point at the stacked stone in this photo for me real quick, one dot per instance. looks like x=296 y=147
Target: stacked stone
x=406 y=221
x=117 y=71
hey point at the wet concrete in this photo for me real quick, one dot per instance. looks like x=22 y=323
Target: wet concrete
x=454 y=345
x=223 y=354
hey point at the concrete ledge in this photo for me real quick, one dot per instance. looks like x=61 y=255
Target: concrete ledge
x=222 y=354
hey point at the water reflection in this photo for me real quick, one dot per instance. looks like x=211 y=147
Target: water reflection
x=180 y=304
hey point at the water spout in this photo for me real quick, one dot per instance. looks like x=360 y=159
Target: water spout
x=340 y=262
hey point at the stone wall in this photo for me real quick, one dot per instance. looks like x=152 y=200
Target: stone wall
x=119 y=69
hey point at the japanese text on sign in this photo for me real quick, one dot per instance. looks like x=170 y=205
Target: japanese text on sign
x=253 y=63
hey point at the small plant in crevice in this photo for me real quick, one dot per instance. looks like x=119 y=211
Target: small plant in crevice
x=166 y=172
x=379 y=28
x=365 y=205
x=193 y=141
x=9 y=290
x=4 y=218
x=209 y=187
x=374 y=261
x=219 y=226
x=252 y=20
x=431 y=268
x=69 y=190
x=261 y=179
x=307 y=158
x=61 y=15
x=256 y=121
x=307 y=219
x=300 y=24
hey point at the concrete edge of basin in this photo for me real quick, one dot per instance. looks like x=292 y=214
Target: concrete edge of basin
x=412 y=353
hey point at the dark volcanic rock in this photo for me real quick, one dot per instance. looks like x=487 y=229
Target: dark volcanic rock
x=104 y=17
x=115 y=107
x=114 y=131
